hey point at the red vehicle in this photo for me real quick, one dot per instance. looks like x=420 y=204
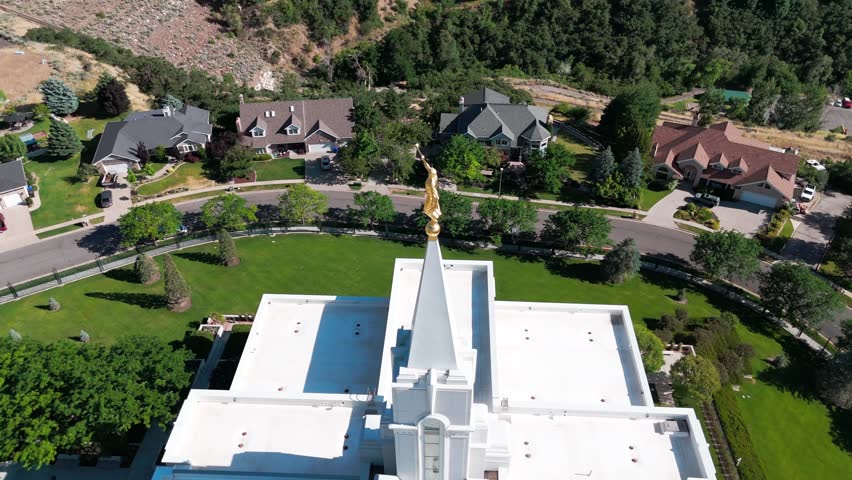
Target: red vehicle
x=847 y=103
x=2 y=223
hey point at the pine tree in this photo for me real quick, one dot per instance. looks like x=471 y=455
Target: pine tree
x=146 y=270
x=63 y=142
x=604 y=166
x=227 y=250
x=631 y=168
x=143 y=154
x=622 y=262
x=178 y=295
x=58 y=97
x=53 y=305
x=112 y=98
x=170 y=100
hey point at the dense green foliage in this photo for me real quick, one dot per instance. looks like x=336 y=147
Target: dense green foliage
x=301 y=204
x=67 y=397
x=235 y=163
x=112 y=97
x=622 y=262
x=629 y=119
x=603 y=167
x=696 y=377
x=840 y=176
x=456 y=214
x=463 y=159
x=500 y=216
x=149 y=222
x=227 y=250
x=11 y=148
x=372 y=208
x=576 y=228
x=58 y=97
x=146 y=270
x=650 y=347
x=546 y=172
x=793 y=293
x=360 y=155
x=726 y=254
x=841 y=245
x=63 y=140
x=177 y=292
x=737 y=434
x=228 y=211
x=836 y=381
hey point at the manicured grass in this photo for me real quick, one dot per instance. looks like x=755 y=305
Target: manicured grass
x=186 y=175
x=791 y=431
x=830 y=270
x=62 y=197
x=584 y=155
x=689 y=228
x=648 y=198
x=59 y=231
x=280 y=169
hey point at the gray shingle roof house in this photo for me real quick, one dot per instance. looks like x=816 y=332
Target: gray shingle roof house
x=299 y=125
x=13 y=184
x=492 y=119
x=185 y=129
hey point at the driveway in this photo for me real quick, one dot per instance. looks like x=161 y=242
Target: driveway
x=743 y=217
x=810 y=241
x=662 y=213
x=19 y=228
x=121 y=201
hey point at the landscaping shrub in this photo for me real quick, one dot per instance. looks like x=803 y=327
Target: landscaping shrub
x=53 y=305
x=262 y=157
x=701 y=215
x=199 y=342
x=738 y=435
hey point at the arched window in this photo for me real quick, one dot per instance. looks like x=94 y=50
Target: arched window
x=432 y=435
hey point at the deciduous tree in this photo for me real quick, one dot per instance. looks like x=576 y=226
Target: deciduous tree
x=628 y=119
x=58 y=97
x=836 y=381
x=228 y=211
x=577 y=227
x=236 y=163
x=112 y=97
x=650 y=347
x=11 y=148
x=546 y=172
x=500 y=216
x=149 y=222
x=622 y=262
x=792 y=293
x=372 y=208
x=177 y=292
x=360 y=155
x=462 y=159
x=696 y=377
x=301 y=204
x=63 y=141
x=726 y=254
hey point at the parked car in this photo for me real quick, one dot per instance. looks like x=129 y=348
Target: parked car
x=105 y=199
x=815 y=163
x=807 y=193
x=847 y=103
x=838 y=103
x=707 y=199
x=182 y=230
x=325 y=163
x=2 y=223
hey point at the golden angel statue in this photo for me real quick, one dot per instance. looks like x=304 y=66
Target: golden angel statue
x=431 y=207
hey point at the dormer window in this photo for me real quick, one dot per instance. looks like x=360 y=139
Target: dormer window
x=258 y=132
x=718 y=166
x=292 y=130
x=269 y=114
x=737 y=170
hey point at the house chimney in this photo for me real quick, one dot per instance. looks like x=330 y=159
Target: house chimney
x=241 y=99
x=167 y=111
x=292 y=108
x=461 y=104
x=239 y=125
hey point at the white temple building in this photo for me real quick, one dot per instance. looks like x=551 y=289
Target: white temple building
x=438 y=382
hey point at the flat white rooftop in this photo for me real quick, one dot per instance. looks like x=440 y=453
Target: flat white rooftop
x=266 y=436
x=596 y=447
x=313 y=344
x=569 y=354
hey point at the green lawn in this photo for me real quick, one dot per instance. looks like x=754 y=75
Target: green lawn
x=187 y=175
x=584 y=154
x=280 y=169
x=792 y=432
x=648 y=197
x=62 y=197
x=59 y=231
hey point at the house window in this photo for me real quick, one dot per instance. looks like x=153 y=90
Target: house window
x=258 y=132
x=432 y=458
x=502 y=142
x=292 y=130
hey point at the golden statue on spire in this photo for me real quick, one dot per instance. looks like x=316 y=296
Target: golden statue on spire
x=431 y=207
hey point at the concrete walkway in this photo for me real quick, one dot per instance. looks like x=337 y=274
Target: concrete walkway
x=662 y=213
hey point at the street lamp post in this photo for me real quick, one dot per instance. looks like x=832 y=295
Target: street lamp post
x=500 y=188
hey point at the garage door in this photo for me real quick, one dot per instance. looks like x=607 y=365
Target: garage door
x=10 y=200
x=765 y=200
x=319 y=148
x=120 y=168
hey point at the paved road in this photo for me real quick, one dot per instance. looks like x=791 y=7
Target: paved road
x=810 y=240
x=86 y=245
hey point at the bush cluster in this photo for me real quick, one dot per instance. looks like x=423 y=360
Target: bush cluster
x=702 y=215
x=738 y=435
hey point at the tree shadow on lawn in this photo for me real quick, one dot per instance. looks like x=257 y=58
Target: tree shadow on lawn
x=574 y=268
x=841 y=428
x=144 y=300
x=122 y=275
x=201 y=257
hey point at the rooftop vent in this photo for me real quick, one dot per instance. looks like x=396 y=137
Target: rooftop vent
x=292 y=108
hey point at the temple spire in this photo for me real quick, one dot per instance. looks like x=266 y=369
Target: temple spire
x=433 y=339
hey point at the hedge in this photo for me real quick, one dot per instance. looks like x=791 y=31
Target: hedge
x=737 y=435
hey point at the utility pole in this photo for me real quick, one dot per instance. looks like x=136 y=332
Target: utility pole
x=500 y=187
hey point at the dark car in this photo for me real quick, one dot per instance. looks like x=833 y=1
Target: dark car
x=325 y=163
x=105 y=199
x=707 y=199
x=2 y=223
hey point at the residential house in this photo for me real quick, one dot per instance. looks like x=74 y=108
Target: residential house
x=300 y=126
x=492 y=119
x=13 y=184
x=186 y=129
x=728 y=163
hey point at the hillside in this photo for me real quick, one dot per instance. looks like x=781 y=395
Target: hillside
x=192 y=34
